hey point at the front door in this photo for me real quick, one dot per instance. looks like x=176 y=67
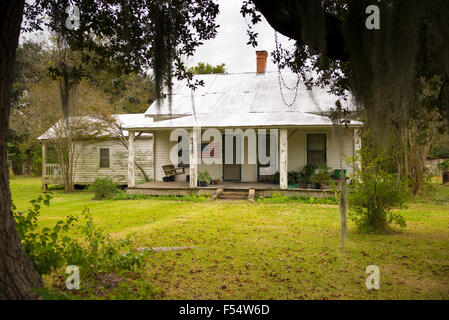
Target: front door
x=231 y=169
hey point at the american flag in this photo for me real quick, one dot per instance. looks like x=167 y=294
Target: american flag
x=210 y=150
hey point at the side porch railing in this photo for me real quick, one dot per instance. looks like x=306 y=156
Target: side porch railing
x=52 y=170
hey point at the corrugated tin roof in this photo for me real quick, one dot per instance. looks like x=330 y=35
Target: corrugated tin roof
x=124 y=120
x=239 y=120
x=246 y=93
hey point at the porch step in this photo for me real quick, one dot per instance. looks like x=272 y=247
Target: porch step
x=224 y=197
x=233 y=195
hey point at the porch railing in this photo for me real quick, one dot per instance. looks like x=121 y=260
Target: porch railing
x=52 y=170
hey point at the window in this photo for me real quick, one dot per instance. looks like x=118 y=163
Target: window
x=316 y=149
x=104 y=158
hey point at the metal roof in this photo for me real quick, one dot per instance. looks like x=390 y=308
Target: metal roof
x=238 y=120
x=246 y=93
x=124 y=120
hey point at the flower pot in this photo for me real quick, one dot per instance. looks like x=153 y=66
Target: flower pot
x=215 y=181
x=317 y=185
x=202 y=183
x=172 y=178
x=166 y=179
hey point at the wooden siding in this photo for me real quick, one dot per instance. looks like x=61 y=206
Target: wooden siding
x=297 y=148
x=87 y=166
x=297 y=153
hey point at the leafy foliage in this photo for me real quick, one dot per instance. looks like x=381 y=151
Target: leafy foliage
x=52 y=248
x=204 y=176
x=321 y=175
x=375 y=192
x=444 y=166
x=103 y=188
x=306 y=174
x=440 y=150
x=45 y=248
x=135 y=35
x=206 y=68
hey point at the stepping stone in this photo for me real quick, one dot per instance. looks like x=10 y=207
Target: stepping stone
x=162 y=249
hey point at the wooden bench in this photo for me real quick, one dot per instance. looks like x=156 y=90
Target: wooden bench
x=170 y=170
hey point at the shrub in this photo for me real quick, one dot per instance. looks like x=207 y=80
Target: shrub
x=321 y=175
x=444 y=166
x=50 y=249
x=103 y=188
x=375 y=192
x=306 y=173
x=293 y=177
x=45 y=247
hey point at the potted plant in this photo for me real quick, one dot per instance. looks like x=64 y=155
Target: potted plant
x=293 y=178
x=276 y=178
x=321 y=176
x=204 y=179
x=304 y=176
x=444 y=168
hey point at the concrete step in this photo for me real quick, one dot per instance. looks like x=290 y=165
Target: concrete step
x=224 y=197
x=234 y=193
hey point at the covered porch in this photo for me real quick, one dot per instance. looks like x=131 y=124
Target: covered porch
x=293 y=152
x=181 y=188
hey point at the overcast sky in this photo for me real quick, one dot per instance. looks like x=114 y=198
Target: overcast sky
x=229 y=46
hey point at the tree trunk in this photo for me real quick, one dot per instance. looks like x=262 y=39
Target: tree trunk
x=17 y=276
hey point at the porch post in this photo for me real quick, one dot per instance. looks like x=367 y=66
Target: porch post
x=131 y=165
x=44 y=164
x=283 y=159
x=357 y=147
x=193 y=140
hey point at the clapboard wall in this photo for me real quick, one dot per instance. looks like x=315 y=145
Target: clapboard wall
x=87 y=160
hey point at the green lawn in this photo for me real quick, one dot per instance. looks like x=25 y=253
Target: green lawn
x=268 y=251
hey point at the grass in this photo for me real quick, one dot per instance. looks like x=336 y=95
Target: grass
x=268 y=250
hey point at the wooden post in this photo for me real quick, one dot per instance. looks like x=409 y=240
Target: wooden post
x=131 y=165
x=44 y=165
x=283 y=159
x=193 y=154
x=357 y=147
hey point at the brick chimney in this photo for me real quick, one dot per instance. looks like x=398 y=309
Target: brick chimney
x=261 y=61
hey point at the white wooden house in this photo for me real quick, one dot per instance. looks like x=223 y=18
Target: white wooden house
x=294 y=123
x=254 y=101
